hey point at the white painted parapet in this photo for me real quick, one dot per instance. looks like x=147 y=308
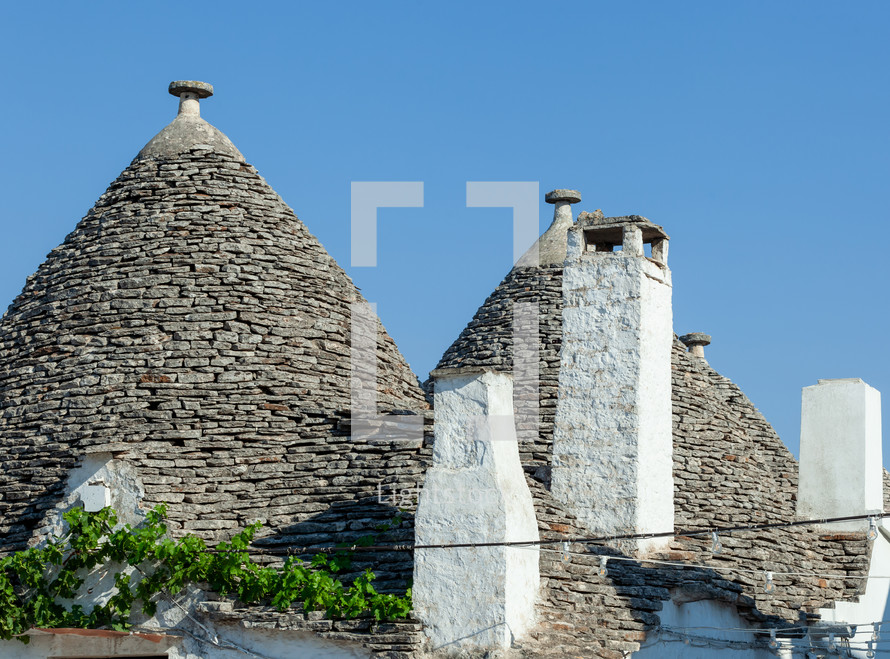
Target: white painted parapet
x=613 y=444
x=475 y=492
x=840 y=471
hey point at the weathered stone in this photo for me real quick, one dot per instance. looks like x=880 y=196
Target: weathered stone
x=712 y=419
x=168 y=359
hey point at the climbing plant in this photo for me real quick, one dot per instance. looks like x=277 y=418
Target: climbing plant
x=146 y=564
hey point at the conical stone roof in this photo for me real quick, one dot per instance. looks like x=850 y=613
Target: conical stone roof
x=191 y=327
x=729 y=468
x=487 y=341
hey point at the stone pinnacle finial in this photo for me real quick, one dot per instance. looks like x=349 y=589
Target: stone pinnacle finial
x=696 y=342
x=189 y=93
x=567 y=196
x=562 y=200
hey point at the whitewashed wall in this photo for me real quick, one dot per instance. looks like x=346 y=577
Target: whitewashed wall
x=696 y=618
x=873 y=606
x=612 y=442
x=275 y=644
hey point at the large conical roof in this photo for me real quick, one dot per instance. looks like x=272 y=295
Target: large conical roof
x=192 y=327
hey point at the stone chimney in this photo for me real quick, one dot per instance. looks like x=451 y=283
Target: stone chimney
x=841 y=467
x=612 y=446
x=475 y=492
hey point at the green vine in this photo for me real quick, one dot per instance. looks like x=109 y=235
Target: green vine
x=148 y=563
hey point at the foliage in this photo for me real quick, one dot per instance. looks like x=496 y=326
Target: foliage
x=146 y=563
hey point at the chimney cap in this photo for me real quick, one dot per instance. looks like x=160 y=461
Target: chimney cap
x=556 y=196
x=200 y=89
x=696 y=339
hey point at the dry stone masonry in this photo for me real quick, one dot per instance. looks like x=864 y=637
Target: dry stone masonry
x=189 y=343
x=192 y=327
x=729 y=468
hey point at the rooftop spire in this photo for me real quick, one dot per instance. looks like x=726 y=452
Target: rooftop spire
x=189 y=93
x=696 y=342
x=562 y=201
x=551 y=247
x=188 y=130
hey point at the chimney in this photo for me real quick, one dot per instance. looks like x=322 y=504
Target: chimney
x=696 y=342
x=475 y=492
x=612 y=446
x=841 y=467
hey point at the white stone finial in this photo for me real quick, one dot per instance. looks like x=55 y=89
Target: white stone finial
x=190 y=92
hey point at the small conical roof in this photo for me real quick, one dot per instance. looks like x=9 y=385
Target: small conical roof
x=487 y=341
x=192 y=327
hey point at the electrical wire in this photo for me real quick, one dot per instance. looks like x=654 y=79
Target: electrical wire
x=602 y=540
x=589 y=540
x=708 y=531
x=720 y=568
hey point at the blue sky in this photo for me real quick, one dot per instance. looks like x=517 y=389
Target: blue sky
x=755 y=133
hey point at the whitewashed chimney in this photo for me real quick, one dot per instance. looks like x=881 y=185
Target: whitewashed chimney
x=475 y=492
x=612 y=447
x=841 y=467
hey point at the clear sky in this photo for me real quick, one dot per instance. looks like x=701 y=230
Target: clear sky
x=756 y=133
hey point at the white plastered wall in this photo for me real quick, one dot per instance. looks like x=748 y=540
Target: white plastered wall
x=841 y=472
x=272 y=644
x=694 y=630
x=612 y=450
x=101 y=480
x=873 y=605
x=475 y=492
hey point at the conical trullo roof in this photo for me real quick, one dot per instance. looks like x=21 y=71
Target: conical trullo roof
x=729 y=468
x=487 y=341
x=192 y=328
